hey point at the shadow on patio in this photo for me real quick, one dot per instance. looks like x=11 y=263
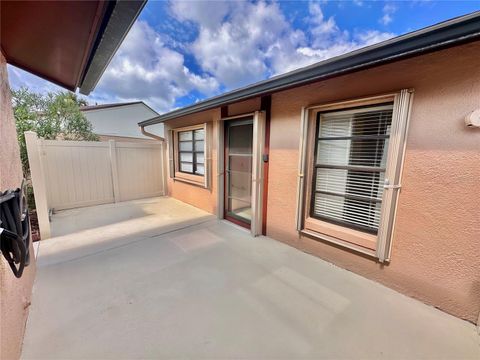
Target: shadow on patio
x=171 y=281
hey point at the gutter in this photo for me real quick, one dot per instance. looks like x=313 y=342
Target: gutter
x=149 y=134
x=446 y=34
x=121 y=17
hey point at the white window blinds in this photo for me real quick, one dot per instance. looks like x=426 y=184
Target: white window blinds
x=356 y=167
x=350 y=161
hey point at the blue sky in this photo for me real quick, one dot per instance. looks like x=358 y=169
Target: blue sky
x=179 y=52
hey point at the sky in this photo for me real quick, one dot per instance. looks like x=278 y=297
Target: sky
x=178 y=53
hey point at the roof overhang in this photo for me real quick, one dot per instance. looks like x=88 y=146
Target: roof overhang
x=69 y=43
x=446 y=34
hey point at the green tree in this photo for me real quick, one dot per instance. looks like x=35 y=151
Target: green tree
x=52 y=116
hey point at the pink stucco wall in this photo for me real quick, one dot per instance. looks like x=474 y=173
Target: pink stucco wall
x=436 y=244
x=205 y=199
x=191 y=194
x=15 y=294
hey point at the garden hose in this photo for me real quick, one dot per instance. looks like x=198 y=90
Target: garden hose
x=15 y=230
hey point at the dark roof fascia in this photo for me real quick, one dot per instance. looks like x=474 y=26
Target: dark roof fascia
x=122 y=16
x=446 y=34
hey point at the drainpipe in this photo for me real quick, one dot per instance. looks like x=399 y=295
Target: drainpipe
x=149 y=134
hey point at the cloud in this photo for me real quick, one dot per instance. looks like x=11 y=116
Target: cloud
x=202 y=48
x=320 y=25
x=210 y=14
x=247 y=42
x=145 y=68
x=388 y=10
x=311 y=55
x=241 y=49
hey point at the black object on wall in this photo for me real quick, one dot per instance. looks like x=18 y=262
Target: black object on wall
x=15 y=230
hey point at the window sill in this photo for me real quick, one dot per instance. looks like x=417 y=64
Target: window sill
x=190 y=179
x=341 y=243
x=341 y=234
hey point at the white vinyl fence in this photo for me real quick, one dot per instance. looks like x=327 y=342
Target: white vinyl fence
x=71 y=174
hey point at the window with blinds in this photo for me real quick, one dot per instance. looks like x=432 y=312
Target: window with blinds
x=191 y=151
x=350 y=160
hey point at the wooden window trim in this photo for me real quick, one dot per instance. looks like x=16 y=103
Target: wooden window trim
x=185 y=177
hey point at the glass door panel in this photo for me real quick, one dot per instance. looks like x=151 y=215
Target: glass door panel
x=238 y=156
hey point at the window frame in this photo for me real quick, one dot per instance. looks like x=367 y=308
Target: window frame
x=194 y=152
x=375 y=245
x=313 y=180
x=190 y=177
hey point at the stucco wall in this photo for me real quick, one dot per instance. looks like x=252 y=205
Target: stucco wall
x=202 y=198
x=244 y=107
x=191 y=194
x=15 y=294
x=436 y=244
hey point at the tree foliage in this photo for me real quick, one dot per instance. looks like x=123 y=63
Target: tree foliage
x=52 y=116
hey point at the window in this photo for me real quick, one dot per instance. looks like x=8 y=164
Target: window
x=191 y=151
x=351 y=156
x=188 y=151
x=350 y=160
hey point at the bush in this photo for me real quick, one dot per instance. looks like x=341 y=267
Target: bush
x=52 y=116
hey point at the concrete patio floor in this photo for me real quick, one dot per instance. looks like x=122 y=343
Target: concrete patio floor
x=158 y=278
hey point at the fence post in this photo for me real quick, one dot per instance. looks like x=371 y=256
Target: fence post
x=38 y=183
x=163 y=156
x=113 y=163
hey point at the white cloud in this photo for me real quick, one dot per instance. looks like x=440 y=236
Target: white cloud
x=145 y=68
x=238 y=51
x=235 y=43
x=321 y=26
x=388 y=10
x=210 y=14
x=250 y=41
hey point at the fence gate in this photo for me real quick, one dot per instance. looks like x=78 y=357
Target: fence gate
x=71 y=174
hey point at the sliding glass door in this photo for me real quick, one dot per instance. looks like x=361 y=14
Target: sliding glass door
x=238 y=171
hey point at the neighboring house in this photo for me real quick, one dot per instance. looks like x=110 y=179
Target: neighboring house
x=120 y=121
x=363 y=160
x=69 y=44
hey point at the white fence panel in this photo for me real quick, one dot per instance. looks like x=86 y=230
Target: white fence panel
x=140 y=170
x=77 y=173
x=71 y=174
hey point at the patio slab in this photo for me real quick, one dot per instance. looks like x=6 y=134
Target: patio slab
x=170 y=281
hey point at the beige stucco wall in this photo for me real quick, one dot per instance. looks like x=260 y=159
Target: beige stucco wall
x=244 y=107
x=15 y=294
x=436 y=246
